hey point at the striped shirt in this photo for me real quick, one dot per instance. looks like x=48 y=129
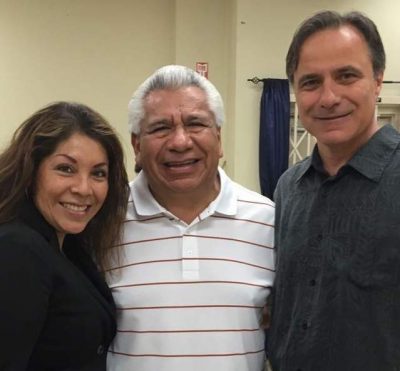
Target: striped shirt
x=190 y=297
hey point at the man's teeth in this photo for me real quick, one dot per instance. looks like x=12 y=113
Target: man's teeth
x=183 y=163
x=75 y=207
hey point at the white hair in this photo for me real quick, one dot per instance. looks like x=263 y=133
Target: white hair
x=173 y=77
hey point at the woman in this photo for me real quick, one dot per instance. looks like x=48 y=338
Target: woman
x=63 y=194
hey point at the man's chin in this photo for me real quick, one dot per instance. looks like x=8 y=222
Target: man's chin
x=184 y=186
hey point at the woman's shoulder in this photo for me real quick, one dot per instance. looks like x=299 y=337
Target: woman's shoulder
x=19 y=240
x=19 y=232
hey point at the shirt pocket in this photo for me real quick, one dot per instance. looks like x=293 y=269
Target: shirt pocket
x=377 y=265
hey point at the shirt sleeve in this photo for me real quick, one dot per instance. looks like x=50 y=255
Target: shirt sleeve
x=25 y=288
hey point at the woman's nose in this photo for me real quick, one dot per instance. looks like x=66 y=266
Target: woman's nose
x=82 y=185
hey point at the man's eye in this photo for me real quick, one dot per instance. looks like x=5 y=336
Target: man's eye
x=309 y=84
x=347 y=77
x=196 y=123
x=195 y=126
x=158 y=129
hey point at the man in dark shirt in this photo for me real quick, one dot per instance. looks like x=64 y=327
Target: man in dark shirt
x=337 y=290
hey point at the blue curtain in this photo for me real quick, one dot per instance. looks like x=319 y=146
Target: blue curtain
x=274 y=133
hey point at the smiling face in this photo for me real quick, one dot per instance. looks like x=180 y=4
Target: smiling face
x=336 y=88
x=179 y=144
x=72 y=184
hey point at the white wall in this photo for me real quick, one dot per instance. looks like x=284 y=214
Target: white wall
x=98 y=51
x=203 y=34
x=264 y=29
x=92 y=51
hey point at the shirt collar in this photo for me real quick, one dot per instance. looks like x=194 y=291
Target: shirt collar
x=370 y=160
x=305 y=164
x=146 y=205
x=226 y=201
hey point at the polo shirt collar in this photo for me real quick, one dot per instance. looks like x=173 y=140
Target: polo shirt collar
x=146 y=205
x=226 y=201
x=144 y=202
x=370 y=161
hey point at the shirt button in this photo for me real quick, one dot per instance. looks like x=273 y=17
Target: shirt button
x=100 y=350
x=313 y=282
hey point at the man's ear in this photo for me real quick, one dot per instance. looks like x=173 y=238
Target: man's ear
x=135 y=140
x=379 y=82
x=221 y=151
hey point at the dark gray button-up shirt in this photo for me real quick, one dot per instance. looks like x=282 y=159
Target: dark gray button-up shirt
x=337 y=289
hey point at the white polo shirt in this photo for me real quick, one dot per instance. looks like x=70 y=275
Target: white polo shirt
x=190 y=297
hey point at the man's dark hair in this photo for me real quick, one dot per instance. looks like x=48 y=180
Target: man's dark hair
x=330 y=19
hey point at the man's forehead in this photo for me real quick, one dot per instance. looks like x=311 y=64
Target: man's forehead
x=330 y=36
x=335 y=48
x=188 y=98
x=183 y=91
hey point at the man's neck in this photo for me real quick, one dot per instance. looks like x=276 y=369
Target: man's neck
x=333 y=162
x=336 y=156
x=187 y=206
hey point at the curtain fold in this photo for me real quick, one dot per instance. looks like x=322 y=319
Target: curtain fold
x=274 y=133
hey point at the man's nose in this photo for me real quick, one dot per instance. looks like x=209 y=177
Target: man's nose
x=180 y=139
x=329 y=95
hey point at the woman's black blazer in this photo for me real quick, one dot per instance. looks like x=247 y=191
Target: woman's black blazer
x=56 y=312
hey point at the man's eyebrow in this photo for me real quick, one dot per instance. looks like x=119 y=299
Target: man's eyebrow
x=195 y=116
x=348 y=68
x=158 y=121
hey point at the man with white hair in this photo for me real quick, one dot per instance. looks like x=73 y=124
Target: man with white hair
x=196 y=265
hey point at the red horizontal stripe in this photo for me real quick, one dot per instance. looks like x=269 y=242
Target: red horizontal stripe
x=257 y=203
x=195 y=236
x=150 y=240
x=181 y=259
x=145 y=219
x=228 y=239
x=239 y=200
x=241 y=220
x=192 y=306
x=186 y=331
x=145 y=262
x=189 y=283
x=187 y=355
